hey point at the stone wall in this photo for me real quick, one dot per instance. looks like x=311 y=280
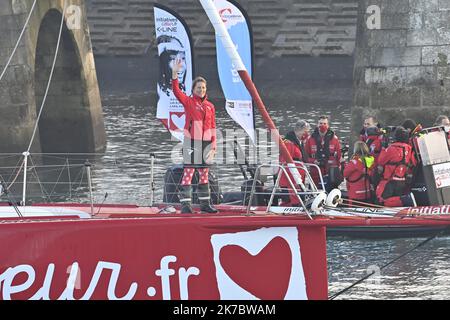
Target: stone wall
x=303 y=48
x=401 y=69
x=73 y=118
x=281 y=27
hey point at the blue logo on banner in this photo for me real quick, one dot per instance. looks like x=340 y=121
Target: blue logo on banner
x=232 y=85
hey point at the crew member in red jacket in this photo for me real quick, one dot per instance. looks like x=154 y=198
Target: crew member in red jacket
x=396 y=161
x=369 y=122
x=324 y=149
x=200 y=145
x=372 y=135
x=357 y=173
x=293 y=142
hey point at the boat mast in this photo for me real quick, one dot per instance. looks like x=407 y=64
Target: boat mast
x=222 y=33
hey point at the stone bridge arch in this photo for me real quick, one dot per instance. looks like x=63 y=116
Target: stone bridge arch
x=72 y=120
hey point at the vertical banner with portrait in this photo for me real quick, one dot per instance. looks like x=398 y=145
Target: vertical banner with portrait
x=238 y=100
x=174 y=41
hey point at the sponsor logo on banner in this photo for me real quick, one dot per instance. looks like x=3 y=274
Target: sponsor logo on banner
x=229 y=13
x=259 y=265
x=177 y=121
x=173 y=43
x=236 y=94
x=442 y=175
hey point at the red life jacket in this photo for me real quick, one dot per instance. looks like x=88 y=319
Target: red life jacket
x=200 y=116
x=375 y=145
x=325 y=149
x=296 y=154
x=396 y=160
x=357 y=174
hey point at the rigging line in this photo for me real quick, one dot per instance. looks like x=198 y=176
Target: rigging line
x=73 y=184
x=350 y=213
x=43 y=193
x=36 y=174
x=355 y=212
x=81 y=179
x=18 y=41
x=370 y=205
x=70 y=181
x=355 y=208
x=16 y=177
x=421 y=244
x=57 y=181
x=50 y=77
x=12 y=169
x=384 y=209
x=11 y=199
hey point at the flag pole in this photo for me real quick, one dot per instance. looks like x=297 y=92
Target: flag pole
x=224 y=36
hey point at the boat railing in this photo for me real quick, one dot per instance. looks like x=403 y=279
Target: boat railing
x=124 y=178
x=305 y=197
x=142 y=179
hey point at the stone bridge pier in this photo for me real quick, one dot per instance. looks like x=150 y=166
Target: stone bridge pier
x=402 y=61
x=72 y=119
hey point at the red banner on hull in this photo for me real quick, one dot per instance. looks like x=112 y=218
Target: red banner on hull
x=195 y=258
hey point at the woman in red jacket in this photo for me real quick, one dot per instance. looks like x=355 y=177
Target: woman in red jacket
x=357 y=173
x=396 y=162
x=199 y=147
x=373 y=137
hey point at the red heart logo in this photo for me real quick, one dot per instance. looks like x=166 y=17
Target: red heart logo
x=265 y=275
x=177 y=121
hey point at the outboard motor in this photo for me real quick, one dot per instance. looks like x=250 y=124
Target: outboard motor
x=172 y=180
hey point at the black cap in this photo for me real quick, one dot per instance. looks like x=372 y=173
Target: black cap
x=409 y=124
x=373 y=131
x=401 y=135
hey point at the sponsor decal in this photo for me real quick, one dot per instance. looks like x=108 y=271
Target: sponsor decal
x=109 y=270
x=442 y=175
x=257 y=250
x=425 y=211
x=264 y=264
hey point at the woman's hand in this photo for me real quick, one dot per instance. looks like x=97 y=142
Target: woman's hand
x=177 y=66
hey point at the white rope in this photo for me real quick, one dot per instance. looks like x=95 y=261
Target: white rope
x=18 y=41
x=50 y=78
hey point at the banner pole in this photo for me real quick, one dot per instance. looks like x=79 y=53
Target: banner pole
x=223 y=35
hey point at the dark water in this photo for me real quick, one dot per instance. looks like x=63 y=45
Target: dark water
x=124 y=173
x=424 y=274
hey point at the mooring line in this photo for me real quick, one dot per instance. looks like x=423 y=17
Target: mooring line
x=389 y=263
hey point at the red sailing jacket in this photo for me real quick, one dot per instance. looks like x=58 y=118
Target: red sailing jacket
x=296 y=154
x=375 y=144
x=396 y=159
x=357 y=176
x=200 y=116
x=334 y=152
